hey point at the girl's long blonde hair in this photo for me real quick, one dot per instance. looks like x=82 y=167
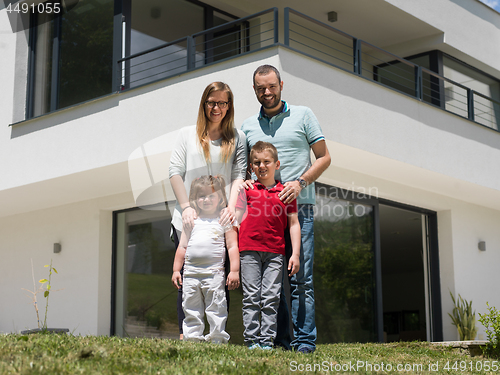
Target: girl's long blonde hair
x=227 y=124
x=217 y=184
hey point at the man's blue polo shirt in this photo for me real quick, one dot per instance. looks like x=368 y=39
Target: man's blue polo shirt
x=292 y=131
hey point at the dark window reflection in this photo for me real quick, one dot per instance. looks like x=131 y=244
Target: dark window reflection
x=86 y=52
x=344 y=271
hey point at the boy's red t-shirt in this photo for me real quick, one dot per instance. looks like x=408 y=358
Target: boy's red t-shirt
x=263 y=225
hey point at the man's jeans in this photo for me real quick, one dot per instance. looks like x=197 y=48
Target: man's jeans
x=301 y=290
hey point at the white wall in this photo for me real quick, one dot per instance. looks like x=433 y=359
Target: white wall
x=85 y=147
x=354 y=112
x=476 y=272
x=64 y=172
x=81 y=296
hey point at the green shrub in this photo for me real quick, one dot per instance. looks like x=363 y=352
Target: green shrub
x=154 y=319
x=491 y=321
x=463 y=318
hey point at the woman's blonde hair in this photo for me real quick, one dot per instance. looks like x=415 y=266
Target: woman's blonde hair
x=227 y=124
x=217 y=184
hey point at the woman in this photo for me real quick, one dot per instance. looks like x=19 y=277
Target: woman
x=212 y=147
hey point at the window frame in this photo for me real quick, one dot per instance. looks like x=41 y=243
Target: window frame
x=55 y=68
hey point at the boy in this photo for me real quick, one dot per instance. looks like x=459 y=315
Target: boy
x=263 y=219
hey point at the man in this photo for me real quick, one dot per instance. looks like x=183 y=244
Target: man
x=294 y=131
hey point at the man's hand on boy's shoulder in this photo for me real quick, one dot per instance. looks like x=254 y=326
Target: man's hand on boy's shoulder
x=293 y=264
x=290 y=192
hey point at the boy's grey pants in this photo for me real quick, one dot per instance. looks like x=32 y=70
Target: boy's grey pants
x=261 y=277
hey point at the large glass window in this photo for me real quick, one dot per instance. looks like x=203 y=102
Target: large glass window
x=170 y=21
x=145 y=299
x=373 y=271
x=42 y=55
x=486 y=112
x=452 y=96
x=72 y=52
x=152 y=26
x=401 y=76
x=86 y=52
x=72 y=56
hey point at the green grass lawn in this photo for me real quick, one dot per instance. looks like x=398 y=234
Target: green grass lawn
x=66 y=354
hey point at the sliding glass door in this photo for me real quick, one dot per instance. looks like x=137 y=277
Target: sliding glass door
x=345 y=268
x=144 y=300
x=376 y=269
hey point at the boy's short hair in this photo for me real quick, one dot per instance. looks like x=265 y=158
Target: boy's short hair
x=264 y=146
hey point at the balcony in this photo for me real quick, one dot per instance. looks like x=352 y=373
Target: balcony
x=320 y=41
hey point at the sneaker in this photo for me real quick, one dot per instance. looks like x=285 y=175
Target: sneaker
x=305 y=349
x=254 y=346
x=266 y=347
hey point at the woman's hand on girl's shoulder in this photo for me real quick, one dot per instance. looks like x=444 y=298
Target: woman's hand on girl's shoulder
x=188 y=218
x=248 y=184
x=227 y=216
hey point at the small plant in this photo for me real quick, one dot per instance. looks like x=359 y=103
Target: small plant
x=45 y=287
x=491 y=322
x=463 y=318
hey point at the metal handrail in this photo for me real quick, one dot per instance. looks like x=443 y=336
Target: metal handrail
x=153 y=49
x=486 y=97
x=235 y=22
x=395 y=57
x=313 y=20
x=190 y=53
x=430 y=72
x=417 y=79
x=388 y=72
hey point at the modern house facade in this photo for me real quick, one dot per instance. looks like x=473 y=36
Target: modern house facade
x=408 y=97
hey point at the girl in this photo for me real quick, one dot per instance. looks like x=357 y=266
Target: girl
x=202 y=251
x=211 y=147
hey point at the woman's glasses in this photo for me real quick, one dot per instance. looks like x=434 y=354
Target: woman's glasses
x=221 y=105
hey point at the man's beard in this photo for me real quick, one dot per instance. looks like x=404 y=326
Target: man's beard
x=274 y=103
